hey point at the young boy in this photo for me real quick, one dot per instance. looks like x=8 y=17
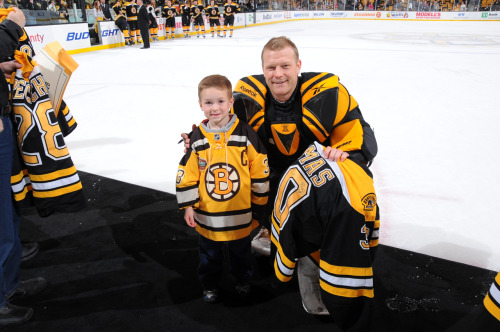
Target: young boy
x=223 y=185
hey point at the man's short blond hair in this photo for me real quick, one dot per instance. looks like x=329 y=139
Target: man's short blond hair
x=277 y=44
x=215 y=81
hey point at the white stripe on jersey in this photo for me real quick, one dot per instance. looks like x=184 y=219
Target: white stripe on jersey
x=51 y=185
x=283 y=268
x=223 y=221
x=346 y=282
x=495 y=293
x=187 y=195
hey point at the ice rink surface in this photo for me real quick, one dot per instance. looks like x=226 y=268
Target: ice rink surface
x=430 y=90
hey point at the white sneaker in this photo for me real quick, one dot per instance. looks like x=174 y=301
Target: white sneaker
x=261 y=243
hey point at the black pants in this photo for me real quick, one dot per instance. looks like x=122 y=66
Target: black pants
x=145 y=35
x=212 y=261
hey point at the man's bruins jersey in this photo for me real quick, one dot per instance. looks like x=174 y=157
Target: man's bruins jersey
x=231 y=9
x=224 y=176
x=66 y=121
x=168 y=12
x=197 y=10
x=212 y=12
x=131 y=10
x=43 y=170
x=331 y=207
x=321 y=109
x=185 y=10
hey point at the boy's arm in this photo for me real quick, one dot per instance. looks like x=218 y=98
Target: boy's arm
x=187 y=181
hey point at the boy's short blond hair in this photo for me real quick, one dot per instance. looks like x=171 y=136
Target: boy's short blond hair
x=215 y=81
x=277 y=44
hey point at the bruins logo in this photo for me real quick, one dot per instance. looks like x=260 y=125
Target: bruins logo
x=170 y=12
x=222 y=182
x=228 y=10
x=197 y=10
x=214 y=12
x=134 y=10
x=369 y=202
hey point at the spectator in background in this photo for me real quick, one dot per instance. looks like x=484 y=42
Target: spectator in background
x=2 y=4
x=463 y=7
x=52 y=6
x=98 y=14
x=106 y=10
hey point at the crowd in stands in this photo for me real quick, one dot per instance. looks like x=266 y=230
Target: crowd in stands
x=64 y=6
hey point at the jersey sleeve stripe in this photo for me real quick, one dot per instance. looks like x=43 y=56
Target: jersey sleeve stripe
x=58 y=192
x=346 y=270
x=54 y=175
x=50 y=185
x=492 y=299
x=345 y=292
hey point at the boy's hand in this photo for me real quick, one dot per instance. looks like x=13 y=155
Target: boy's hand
x=189 y=217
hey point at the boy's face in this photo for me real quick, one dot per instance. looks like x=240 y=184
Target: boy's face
x=215 y=104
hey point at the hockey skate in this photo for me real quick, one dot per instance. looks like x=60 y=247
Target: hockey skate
x=261 y=243
x=310 y=290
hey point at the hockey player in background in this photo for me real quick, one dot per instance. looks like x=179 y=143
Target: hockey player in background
x=223 y=184
x=214 y=18
x=153 y=25
x=330 y=207
x=121 y=23
x=197 y=18
x=186 y=18
x=230 y=8
x=169 y=13
x=130 y=8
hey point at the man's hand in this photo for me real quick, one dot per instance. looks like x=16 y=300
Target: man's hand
x=189 y=217
x=186 y=139
x=335 y=154
x=17 y=17
x=8 y=67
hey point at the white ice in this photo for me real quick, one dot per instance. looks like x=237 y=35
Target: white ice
x=429 y=90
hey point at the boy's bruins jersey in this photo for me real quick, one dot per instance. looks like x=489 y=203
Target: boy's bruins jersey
x=197 y=10
x=231 y=9
x=43 y=170
x=168 y=12
x=331 y=207
x=131 y=10
x=185 y=10
x=321 y=109
x=224 y=176
x=212 y=12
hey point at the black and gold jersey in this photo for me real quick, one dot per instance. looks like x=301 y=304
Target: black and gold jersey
x=185 y=10
x=131 y=10
x=224 y=176
x=330 y=207
x=320 y=109
x=168 y=12
x=197 y=10
x=43 y=170
x=231 y=9
x=212 y=12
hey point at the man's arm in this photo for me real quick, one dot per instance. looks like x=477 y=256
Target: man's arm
x=10 y=32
